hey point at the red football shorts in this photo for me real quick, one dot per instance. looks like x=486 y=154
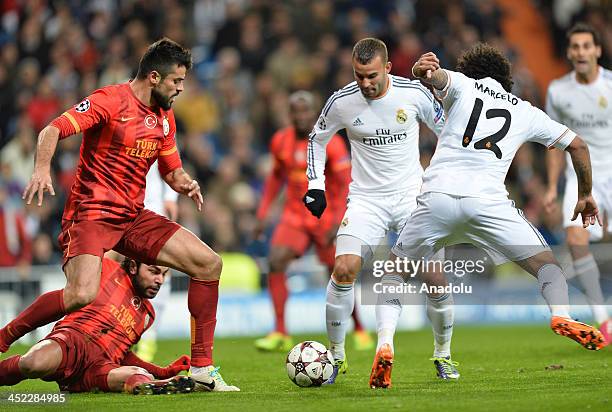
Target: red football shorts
x=299 y=237
x=84 y=366
x=141 y=238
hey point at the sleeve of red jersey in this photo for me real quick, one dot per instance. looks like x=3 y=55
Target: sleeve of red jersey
x=275 y=179
x=169 y=158
x=339 y=174
x=97 y=108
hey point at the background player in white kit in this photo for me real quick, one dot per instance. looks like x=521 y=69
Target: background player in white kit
x=582 y=99
x=464 y=199
x=381 y=115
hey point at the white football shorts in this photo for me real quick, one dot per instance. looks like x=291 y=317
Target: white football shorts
x=495 y=226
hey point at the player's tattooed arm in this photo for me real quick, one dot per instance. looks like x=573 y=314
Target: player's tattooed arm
x=41 y=178
x=180 y=181
x=427 y=69
x=586 y=205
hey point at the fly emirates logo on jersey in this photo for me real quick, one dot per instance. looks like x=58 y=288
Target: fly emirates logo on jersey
x=144 y=149
x=384 y=137
x=125 y=319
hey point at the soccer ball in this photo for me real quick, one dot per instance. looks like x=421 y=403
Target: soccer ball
x=309 y=364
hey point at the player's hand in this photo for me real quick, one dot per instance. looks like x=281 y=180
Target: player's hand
x=426 y=64
x=587 y=208
x=315 y=201
x=192 y=190
x=38 y=185
x=181 y=364
x=550 y=200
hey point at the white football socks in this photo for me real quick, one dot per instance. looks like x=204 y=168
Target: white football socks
x=441 y=314
x=588 y=274
x=388 y=311
x=554 y=289
x=340 y=301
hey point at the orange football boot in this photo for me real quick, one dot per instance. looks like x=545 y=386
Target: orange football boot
x=584 y=334
x=381 y=368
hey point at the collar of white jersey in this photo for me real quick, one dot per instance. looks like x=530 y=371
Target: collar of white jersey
x=600 y=73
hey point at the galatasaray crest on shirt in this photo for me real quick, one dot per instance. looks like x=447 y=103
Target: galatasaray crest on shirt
x=166 y=126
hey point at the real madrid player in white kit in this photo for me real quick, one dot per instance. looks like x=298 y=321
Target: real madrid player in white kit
x=582 y=99
x=464 y=199
x=381 y=114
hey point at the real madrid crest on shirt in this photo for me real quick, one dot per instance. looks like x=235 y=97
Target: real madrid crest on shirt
x=603 y=103
x=401 y=116
x=166 y=126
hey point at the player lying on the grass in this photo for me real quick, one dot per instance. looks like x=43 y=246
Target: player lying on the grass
x=381 y=114
x=90 y=348
x=297 y=230
x=126 y=127
x=583 y=100
x=463 y=198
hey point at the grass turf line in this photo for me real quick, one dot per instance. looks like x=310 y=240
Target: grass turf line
x=502 y=368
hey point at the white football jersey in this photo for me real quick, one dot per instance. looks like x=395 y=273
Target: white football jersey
x=587 y=109
x=157 y=192
x=383 y=134
x=485 y=126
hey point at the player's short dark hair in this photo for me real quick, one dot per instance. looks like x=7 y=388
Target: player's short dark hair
x=161 y=56
x=127 y=262
x=367 y=49
x=581 y=27
x=484 y=60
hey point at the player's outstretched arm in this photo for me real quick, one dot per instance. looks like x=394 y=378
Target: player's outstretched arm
x=427 y=69
x=586 y=205
x=180 y=181
x=554 y=165
x=41 y=178
x=181 y=364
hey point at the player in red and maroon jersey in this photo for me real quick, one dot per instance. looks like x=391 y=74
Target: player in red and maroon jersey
x=297 y=230
x=126 y=127
x=90 y=348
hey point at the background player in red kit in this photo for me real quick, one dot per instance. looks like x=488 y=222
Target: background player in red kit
x=90 y=349
x=297 y=230
x=126 y=127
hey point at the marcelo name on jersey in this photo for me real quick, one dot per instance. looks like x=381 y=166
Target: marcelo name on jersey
x=496 y=94
x=384 y=137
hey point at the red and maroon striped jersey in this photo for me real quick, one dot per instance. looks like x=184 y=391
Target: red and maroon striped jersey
x=117 y=318
x=122 y=137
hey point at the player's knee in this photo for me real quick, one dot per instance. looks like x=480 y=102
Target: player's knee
x=33 y=365
x=78 y=298
x=278 y=263
x=210 y=269
x=345 y=272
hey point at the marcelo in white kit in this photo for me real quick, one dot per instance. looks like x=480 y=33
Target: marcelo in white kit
x=381 y=114
x=464 y=199
x=582 y=99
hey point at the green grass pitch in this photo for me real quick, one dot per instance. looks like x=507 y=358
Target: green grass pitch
x=502 y=368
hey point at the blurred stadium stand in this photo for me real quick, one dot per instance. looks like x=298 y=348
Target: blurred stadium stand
x=249 y=55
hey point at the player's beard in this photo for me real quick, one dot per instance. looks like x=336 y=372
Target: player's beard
x=161 y=100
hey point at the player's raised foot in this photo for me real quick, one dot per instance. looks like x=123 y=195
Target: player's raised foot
x=362 y=340
x=605 y=328
x=208 y=379
x=446 y=369
x=584 y=334
x=274 y=342
x=177 y=384
x=340 y=367
x=380 y=377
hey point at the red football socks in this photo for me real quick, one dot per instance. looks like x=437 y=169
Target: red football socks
x=9 y=371
x=47 y=308
x=202 y=301
x=277 y=286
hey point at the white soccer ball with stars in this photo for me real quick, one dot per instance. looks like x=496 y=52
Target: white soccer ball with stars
x=309 y=364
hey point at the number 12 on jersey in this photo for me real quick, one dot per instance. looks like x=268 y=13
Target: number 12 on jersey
x=489 y=142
